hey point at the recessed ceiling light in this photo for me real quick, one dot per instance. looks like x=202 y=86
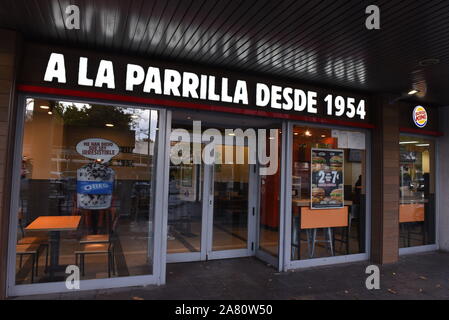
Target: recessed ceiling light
x=296 y=133
x=323 y=136
x=49 y=112
x=412 y=92
x=308 y=133
x=110 y=125
x=45 y=107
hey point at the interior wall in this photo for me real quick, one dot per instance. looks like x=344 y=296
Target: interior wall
x=50 y=147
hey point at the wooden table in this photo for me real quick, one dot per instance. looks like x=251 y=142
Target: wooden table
x=54 y=225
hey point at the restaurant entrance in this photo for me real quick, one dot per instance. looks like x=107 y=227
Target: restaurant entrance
x=208 y=212
x=213 y=209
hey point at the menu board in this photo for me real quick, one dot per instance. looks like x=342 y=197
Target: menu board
x=327 y=179
x=350 y=139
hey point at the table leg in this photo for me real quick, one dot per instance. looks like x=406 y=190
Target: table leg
x=54 y=252
x=94 y=220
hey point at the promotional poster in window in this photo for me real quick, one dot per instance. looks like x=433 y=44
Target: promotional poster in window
x=95 y=180
x=327 y=179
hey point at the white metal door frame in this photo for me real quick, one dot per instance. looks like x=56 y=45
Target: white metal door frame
x=286 y=190
x=158 y=253
x=206 y=252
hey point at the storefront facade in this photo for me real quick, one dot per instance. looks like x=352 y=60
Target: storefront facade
x=98 y=175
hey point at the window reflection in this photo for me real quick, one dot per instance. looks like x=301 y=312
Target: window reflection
x=330 y=221
x=86 y=191
x=417 y=192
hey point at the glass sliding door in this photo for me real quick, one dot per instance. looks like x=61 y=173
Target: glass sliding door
x=212 y=207
x=185 y=213
x=208 y=212
x=230 y=211
x=229 y=218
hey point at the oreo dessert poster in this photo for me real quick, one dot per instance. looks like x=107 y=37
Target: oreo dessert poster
x=327 y=179
x=95 y=180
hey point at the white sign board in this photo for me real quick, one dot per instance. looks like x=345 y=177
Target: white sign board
x=98 y=149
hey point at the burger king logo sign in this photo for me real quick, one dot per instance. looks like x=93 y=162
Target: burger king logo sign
x=420 y=116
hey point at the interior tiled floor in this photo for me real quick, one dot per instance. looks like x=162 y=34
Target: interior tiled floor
x=224 y=238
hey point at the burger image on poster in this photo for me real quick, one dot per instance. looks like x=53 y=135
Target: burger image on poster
x=318 y=194
x=319 y=162
x=336 y=163
x=95 y=180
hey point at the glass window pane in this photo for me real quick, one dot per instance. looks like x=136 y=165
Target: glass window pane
x=269 y=206
x=328 y=193
x=184 y=208
x=417 y=192
x=230 y=215
x=86 y=191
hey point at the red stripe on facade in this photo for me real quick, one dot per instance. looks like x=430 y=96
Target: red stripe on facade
x=420 y=131
x=187 y=105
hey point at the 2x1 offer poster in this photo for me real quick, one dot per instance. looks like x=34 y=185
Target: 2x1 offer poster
x=327 y=179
